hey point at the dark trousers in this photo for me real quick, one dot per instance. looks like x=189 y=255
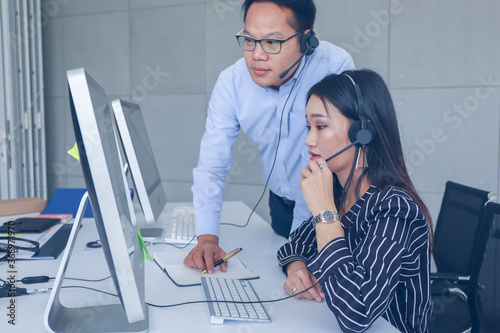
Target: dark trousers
x=281 y=214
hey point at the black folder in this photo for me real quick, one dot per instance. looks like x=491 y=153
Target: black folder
x=26 y=225
x=55 y=245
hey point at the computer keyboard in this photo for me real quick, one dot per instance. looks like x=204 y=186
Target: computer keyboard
x=220 y=289
x=181 y=229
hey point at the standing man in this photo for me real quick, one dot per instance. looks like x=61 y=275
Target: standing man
x=264 y=94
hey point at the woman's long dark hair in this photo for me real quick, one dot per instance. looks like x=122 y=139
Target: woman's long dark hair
x=385 y=160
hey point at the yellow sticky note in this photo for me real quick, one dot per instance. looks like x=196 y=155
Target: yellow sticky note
x=74 y=152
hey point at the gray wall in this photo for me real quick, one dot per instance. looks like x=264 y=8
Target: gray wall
x=439 y=58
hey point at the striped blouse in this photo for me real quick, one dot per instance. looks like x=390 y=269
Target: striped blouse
x=380 y=268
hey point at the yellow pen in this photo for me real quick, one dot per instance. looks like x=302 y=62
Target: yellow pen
x=226 y=258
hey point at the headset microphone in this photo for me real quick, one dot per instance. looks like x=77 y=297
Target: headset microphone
x=340 y=152
x=308 y=42
x=282 y=75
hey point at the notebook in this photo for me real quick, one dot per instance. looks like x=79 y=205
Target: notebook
x=172 y=264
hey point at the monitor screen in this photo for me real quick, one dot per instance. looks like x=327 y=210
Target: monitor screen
x=111 y=203
x=141 y=162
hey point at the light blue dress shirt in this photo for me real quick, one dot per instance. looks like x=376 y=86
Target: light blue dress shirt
x=237 y=102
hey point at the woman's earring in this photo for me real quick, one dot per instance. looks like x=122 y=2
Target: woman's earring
x=364 y=166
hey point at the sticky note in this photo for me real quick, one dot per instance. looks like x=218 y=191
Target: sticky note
x=144 y=249
x=74 y=152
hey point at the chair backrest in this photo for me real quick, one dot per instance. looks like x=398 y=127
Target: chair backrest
x=491 y=210
x=458 y=228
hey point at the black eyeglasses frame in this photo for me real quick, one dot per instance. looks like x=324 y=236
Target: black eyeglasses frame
x=240 y=35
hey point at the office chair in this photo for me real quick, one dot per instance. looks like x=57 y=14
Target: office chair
x=462 y=231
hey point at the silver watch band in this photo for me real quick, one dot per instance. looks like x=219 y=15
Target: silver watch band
x=326 y=216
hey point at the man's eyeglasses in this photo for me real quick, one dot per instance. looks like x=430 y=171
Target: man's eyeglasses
x=269 y=45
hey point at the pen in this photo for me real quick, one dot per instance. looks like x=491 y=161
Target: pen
x=226 y=258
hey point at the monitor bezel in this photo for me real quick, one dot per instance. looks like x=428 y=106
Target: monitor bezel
x=153 y=199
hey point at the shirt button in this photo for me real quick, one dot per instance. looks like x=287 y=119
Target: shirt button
x=282 y=99
x=320 y=271
x=285 y=185
x=280 y=166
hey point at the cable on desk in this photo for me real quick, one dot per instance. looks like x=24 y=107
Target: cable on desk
x=45 y=278
x=198 y=302
x=235 y=302
x=171 y=244
x=8 y=290
x=5 y=292
x=94 y=245
x=89 y=288
x=97 y=244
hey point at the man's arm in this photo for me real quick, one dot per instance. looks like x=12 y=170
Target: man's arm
x=215 y=160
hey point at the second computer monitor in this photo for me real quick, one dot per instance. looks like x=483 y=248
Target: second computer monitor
x=140 y=157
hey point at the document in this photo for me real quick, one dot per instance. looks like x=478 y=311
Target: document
x=172 y=264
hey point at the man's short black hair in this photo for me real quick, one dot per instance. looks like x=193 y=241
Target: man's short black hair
x=303 y=10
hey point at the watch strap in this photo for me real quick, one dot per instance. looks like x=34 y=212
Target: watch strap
x=326 y=216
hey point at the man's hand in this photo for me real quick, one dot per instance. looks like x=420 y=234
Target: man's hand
x=205 y=254
x=299 y=279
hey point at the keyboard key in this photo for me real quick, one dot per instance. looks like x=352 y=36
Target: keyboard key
x=182 y=229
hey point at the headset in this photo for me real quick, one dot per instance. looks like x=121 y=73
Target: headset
x=308 y=43
x=361 y=132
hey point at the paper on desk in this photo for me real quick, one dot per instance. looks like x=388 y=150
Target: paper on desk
x=172 y=264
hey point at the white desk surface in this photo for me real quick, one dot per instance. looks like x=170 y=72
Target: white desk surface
x=259 y=245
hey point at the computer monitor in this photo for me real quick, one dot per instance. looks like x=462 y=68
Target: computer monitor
x=141 y=162
x=108 y=193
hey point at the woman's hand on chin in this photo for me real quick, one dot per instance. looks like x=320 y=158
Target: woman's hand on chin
x=317 y=186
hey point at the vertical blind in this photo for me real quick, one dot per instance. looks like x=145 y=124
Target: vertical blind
x=22 y=130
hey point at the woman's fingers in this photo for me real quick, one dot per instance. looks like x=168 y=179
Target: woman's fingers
x=300 y=279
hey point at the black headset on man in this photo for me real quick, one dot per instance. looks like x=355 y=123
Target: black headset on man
x=308 y=42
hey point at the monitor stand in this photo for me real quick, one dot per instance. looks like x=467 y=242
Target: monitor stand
x=106 y=318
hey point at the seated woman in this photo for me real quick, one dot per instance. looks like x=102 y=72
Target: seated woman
x=368 y=240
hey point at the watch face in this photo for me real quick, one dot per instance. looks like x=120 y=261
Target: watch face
x=325 y=217
x=328 y=216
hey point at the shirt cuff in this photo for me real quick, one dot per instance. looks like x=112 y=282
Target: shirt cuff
x=283 y=262
x=207 y=226
x=333 y=255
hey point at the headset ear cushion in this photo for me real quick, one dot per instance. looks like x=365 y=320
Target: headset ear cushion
x=362 y=136
x=308 y=42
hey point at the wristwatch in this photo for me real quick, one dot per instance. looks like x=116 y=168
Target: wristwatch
x=326 y=216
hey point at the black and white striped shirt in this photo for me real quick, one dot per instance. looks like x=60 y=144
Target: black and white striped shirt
x=380 y=268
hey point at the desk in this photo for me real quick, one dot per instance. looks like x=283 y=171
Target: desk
x=259 y=245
